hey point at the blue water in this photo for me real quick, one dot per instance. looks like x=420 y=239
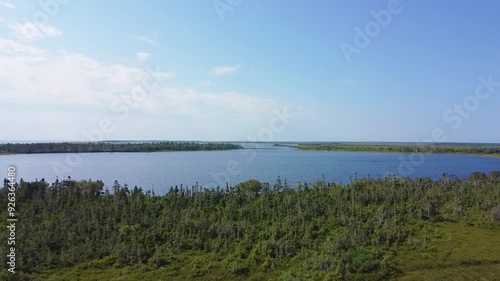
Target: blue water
x=162 y=170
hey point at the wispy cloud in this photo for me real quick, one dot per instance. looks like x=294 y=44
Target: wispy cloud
x=222 y=70
x=163 y=75
x=145 y=39
x=11 y=47
x=63 y=87
x=30 y=31
x=64 y=77
x=206 y=83
x=142 y=56
x=7 y=5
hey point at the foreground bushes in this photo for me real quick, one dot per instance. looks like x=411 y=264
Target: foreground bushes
x=325 y=231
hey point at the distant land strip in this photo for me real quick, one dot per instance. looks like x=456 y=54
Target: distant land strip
x=484 y=150
x=89 y=147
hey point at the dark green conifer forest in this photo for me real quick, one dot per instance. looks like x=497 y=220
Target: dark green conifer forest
x=81 y=147
x=477 y=149
x=371 y=229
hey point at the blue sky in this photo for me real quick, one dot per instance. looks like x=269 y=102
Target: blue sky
x=230 y=70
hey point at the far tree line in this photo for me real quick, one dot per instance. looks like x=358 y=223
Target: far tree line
x=75 y=147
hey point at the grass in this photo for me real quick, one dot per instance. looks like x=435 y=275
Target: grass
x=490 y=272
x=488 y=155
x=185 y=266
x=453 y=250
x=440 y=251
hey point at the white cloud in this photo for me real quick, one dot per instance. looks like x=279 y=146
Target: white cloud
x=145 y=39
x=1 y=19
x=206 y=83
x=7 y=5
x=222 y=70
x=34 y=76
x=163 y=75
x=15 y=48
x=191 y=102
x=142 y=56
x=30 y=31
x=70 y=90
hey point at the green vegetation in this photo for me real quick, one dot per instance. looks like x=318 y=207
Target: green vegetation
x=372 y=229
x=487 y=150
x=458 y=250
x=69 y=147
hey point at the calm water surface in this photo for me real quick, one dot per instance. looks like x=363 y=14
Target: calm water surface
x=162 y=170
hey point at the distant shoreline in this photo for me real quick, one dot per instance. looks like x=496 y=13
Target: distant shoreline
x=481 y=150
x=99 y=147
x=490 y=151
x=488 y=155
